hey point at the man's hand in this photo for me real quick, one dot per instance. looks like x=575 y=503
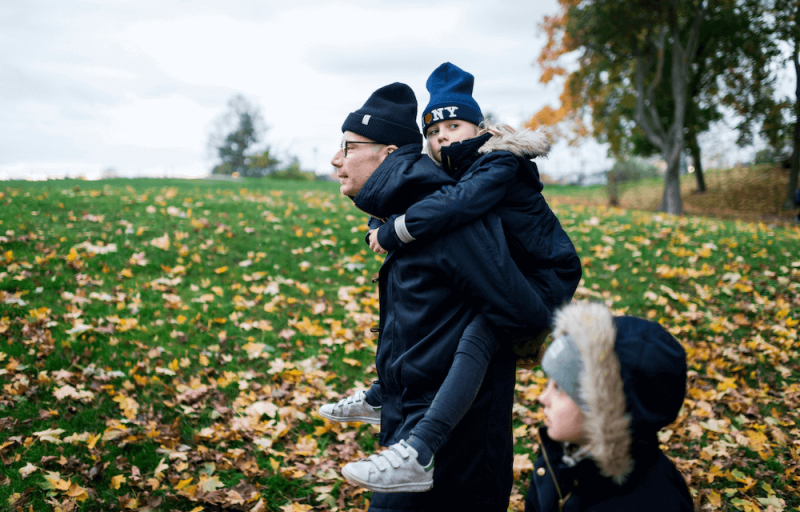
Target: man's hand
x=373 y=242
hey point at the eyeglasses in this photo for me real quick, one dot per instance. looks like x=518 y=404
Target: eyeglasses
x=344 y=144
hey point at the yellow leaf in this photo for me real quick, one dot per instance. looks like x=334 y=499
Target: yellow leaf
x=77 y=492
x=197 y=509
x=756 y=437
x=203 y=360
x=57 y=483
x=296 y=507
x=173 y=365
x=221 y=270
x=27 y=470
x=159 y=471
x=210 y=484
x=183 y=483
x=522 y=464
x=50 y=435
x=322 y=429
x=93 y=439
x=129 y=406
x=306 y=445
x=117 y=481
x=129 y=503
x=351 y=362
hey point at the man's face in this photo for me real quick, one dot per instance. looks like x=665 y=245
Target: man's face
x=354 y=170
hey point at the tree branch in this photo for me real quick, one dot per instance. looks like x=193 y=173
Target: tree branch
x=655 y=134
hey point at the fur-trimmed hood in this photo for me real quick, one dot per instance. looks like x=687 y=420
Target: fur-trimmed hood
x=522 y=143
x=633 y=380
x=482 y=150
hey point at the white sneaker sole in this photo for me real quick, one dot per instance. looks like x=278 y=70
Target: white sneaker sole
x=406 y=487
x=347 y=419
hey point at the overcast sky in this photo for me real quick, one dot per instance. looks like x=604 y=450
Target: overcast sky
x=136 y=85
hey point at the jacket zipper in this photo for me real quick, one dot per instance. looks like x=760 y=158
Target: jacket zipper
x=562 y=500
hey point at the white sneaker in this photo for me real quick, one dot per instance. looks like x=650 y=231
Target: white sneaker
x=393 y=470
x=352 y=408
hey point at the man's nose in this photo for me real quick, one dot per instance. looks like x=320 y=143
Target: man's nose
x=336 y=161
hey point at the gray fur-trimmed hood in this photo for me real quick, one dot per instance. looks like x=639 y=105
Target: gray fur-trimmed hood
x=522 y=143
x=633 y=381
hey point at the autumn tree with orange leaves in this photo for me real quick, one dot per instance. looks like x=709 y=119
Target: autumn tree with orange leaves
x=634 y=45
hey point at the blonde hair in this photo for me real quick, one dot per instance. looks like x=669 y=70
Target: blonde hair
x=485 y=127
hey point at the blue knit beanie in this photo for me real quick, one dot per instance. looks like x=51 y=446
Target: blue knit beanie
x=451 y=97
x=389 y=116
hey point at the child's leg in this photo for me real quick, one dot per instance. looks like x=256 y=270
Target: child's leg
x=374 y=396
x=458 y=391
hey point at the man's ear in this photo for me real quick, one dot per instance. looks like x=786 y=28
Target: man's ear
x=391 y=148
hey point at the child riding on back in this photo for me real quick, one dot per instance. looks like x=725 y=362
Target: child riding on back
x=492 y=171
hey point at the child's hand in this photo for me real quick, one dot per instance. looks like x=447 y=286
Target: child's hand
x=373 y=242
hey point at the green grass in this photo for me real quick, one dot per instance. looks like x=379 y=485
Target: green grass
x=755 y=193
x=213 y=353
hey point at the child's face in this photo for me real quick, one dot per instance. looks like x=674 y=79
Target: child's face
x=447 y=132
x=564 y=419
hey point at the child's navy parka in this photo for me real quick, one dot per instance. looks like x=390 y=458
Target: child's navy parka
x=634 y=382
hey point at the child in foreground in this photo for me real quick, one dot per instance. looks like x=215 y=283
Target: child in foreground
x=613 y=384
x=494 y=173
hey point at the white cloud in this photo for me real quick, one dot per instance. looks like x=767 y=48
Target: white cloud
x=135 y=85
x=173 y=121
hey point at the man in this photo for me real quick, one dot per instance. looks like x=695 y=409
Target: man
x=429 y=294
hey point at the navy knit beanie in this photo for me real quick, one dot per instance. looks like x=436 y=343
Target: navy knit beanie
x=451 y=97
x=389 y=116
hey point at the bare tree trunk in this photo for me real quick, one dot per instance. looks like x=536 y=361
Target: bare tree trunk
x=671 y=198
x=671 y=142
x=694 y=148
x=796 y=142
x=613 y=190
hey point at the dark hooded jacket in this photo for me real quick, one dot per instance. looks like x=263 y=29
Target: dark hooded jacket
x=429 y=293
x=495 y=173
x=631 y=395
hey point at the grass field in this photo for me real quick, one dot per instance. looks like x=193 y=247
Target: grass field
x=164 y=345
x=754 y=193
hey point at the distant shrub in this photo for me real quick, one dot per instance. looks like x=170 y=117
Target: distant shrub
x=624 y=171
x=293 y=172
x=770 y=156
